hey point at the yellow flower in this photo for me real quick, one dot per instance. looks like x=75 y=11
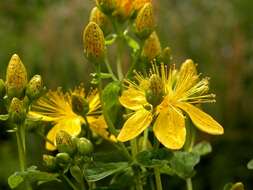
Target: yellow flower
x=162 y=97
x=56 y=107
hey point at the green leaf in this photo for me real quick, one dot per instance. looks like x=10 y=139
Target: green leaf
x=182 y=163
x=123 y=180
x=110 y=98
x=166 y=169
x=15 y=180
x=99 y=170
x=153 y=158
x=250 y=165
x=202 y=148
x=4 y=117
x=32 y=175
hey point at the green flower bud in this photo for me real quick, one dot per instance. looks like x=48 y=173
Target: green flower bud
x=107 y=6
x=101 y=19
x=238 y=186
x=152 y=47
x=166 y=55
x=154 y=94
x=79 y=104
x=84 y=146
x=63 y=159
x=64 y=142
x=17 y=112
x=16 y=77
x=94 y=42
x=49 y=162
x=2 y=88
x=34 y=87
x=145 y=22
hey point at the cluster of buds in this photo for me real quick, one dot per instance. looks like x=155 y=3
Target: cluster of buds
x=17 y=91
x=111 y=14
x=71 y=152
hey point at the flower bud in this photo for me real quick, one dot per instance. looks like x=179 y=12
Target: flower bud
x=151 y=48
x=79 y=104
x=166 y=55
x=49 y=162
x=16 y=77
x=124 y=9
x=64 y=142
x=100 y=19
x=138 y=4
x=107 y=6
x=84 y=146
x=155 y=92
x=2 y=88
x=62 y=159
x=17 y=112
x=34 y=87
x=237 y=186
x=145 y=22
x=94 y=42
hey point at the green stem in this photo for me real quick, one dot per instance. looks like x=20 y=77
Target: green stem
x=119 y=58
x=158 y=179
x=108 y=66
x=191 y=141
x=69 y=182
x=145 y=139
x=189 y=183
x=20 y=152
x=20 y=134
x=156 y=170
x=134 y=149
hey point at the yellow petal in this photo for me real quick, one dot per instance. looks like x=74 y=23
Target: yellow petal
x=169 y=128
x=202 y=120
x=187 y=77
x=71 y=125
x=137 y=123
x=133 y=99
x=99 y=126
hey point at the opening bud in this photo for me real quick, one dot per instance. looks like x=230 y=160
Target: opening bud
x=17 y=112
x=84 y=146
x=49 y=161
x=155 y=92
x=94 y=42
x=107 y=6
x=2 y=88
x=79 y=105
x=34 y=87
x=145 y=22
x=64 y=142
x=151 y=48
x=16 y=77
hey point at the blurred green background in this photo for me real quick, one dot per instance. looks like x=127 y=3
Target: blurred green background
x=217 y=34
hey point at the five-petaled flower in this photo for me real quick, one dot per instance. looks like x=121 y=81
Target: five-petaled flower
x=56 y=107
x=162 y=98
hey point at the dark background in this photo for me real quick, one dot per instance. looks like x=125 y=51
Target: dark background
x=216 y=34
